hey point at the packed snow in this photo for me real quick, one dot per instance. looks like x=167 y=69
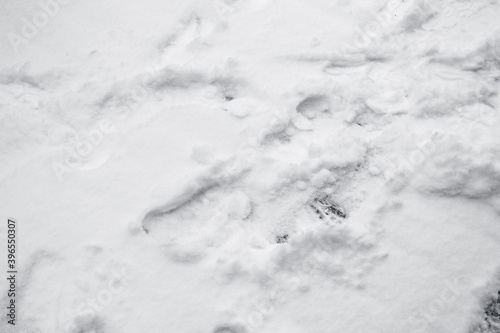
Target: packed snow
x=164 y=163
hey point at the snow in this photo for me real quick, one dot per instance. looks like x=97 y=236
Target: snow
x=159 y=158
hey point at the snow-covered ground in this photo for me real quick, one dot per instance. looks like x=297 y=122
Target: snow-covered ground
x=159 y=159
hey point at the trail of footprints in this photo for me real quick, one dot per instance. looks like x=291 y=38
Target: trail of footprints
x=216 y=198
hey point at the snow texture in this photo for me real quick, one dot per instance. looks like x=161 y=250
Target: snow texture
x=160 y=158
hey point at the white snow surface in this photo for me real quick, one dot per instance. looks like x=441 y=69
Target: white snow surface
x=153 y=151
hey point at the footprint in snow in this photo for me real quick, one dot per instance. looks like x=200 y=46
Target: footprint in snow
x=206 y=219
